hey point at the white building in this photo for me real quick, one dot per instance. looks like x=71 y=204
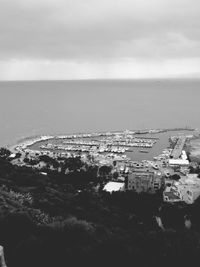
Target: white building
x=181 y=162
x=114 y=186
x=178 y=162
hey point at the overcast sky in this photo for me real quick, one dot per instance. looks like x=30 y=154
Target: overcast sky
x=88 y=39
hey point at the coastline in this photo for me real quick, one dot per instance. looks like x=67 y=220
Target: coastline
x=24 y=143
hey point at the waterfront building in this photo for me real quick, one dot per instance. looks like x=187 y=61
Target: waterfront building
x=178 y=163
x=182 y=161
x=144 y=180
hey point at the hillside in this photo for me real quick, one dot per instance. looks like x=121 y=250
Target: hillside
x=54 y=219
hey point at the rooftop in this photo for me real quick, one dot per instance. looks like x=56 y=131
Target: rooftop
x=113 y=186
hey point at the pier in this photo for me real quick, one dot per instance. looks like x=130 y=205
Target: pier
x=146 y=137
x=176 y=153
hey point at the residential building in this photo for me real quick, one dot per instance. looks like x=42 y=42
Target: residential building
x=187 y=189
x=144 y=180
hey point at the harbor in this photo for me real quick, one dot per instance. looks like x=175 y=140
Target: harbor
x=146 y=162
x=126 y=146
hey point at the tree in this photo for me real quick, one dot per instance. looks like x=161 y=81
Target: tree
x=73 y=164
x=175 y=177
x=4 y=153
x=115 y=175
x=49 y=161
x=104 y=170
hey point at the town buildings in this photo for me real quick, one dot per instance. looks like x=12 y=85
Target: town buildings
x=144 y=180
x=187 y=189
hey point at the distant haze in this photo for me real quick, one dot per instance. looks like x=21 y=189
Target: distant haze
x=99 y=39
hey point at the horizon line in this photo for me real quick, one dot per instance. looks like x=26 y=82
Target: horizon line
x=103 y=79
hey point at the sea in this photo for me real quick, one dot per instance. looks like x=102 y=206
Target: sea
x=31 y=108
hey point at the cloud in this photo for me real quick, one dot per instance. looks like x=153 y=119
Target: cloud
x=117 y=68
x=97 y=33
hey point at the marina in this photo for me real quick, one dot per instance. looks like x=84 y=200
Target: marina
x=146 y=161
x=120 y=145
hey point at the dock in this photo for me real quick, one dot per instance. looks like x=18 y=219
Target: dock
x=147 y=137
x=176 y=153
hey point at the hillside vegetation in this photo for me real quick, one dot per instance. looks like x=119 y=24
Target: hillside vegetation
x=60 y=220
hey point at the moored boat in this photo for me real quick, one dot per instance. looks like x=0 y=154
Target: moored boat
x=144 y=151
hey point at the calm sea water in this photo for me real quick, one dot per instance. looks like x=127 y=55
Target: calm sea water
x=56 y=107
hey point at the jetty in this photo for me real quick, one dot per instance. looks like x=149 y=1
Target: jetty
x=176 y=153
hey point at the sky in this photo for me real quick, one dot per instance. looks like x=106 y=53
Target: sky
x=99 y=39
